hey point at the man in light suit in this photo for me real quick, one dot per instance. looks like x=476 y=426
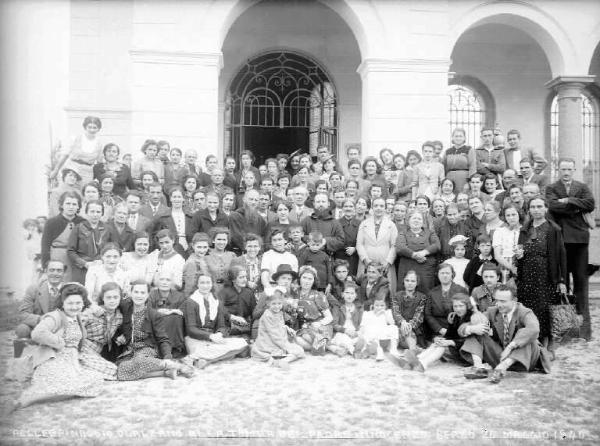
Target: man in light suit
x=508 y=339
x=40 y=298
x=567 y=201
x=515 y=152
x=135 y=220
x=299 y=210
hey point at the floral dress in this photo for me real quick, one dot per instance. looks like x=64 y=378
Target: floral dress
x=63 y=377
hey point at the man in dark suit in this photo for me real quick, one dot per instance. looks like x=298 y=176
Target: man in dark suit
x=40 y=298
x=155 y=207
x=529 y=176
x=508 y=338
x=567 y=201
x=135 y=220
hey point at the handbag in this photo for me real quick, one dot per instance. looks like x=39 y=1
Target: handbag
x=589 y=219
x=564 y=317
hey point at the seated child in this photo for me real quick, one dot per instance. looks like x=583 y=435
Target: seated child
x=408 y=307
x=458 y=261
x=377 y=325
x=317 y=258
x=272 y=343
x=346 y=321
x=335 y=288
x=448 y=345
x=482 y=296
x=472 y=275
x=196 y=263
x=296 y=244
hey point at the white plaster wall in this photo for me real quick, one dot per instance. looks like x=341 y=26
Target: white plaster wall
x=310 y=28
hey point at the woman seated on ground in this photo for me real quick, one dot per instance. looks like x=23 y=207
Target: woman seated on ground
x=408 y=308
x=107 y=271
x=238 y=302
x=374 y=285
x=446 y=345
x=206 y=332
x=169 y=303
x=273 y=342
x=314 y=317
x=103 y=340
x=439 y=302
x=57 y=372
x=149 y=353
x=347 y=318
x=137 y=264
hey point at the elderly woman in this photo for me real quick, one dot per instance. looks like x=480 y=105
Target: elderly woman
x=439 y=302
x=207 y=333
x=417 y=248
x=85 y=241
x=57 y=372
x=169 y=304
x=120 y=173
x=149 y=353
x=238 y=302
x=218 y=260
x=84 y=151
x=376 y=241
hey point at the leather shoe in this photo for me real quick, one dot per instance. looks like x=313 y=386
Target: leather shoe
x=476 y=373
x=497 y=376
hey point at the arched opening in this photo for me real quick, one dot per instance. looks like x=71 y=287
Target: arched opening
x=278 y=102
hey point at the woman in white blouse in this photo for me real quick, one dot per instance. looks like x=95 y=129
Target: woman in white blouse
x=505 y=240
x=108 y=271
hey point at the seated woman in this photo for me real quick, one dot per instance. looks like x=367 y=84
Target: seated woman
x=238 y=302
x=448 y=344
x=347 y=318
x=218 y=259
x=149 y=353
x=315 y=319
x=167 y=259
x=169 y=303
x=107 y=271
x=57 y=372
x=195 y=263
x=273 y=344
x=205 y=328
x=137 y=264
x=102 y=340
x=408 y=307
x=439 y=302
x=374 y=286
x=251 y=260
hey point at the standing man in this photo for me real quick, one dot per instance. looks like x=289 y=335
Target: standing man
x=322 y=220
x=567 y=201
x=489 y=158
x=529 y=176
x=514 y=153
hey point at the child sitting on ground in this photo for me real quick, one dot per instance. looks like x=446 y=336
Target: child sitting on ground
x=272 y=343
x=317 y=258
x=377 y=330
x=196 y=263
x=472 y=275
x=458 y=261
x=347 y=319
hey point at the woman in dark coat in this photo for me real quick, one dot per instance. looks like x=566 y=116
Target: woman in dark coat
x=350 y=226
x=120 y=173
x=541 y=266
x=238 y=302
x=417 y=249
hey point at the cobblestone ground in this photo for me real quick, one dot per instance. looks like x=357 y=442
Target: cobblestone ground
x=325 y=398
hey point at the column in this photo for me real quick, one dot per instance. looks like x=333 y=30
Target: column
x=404 y=103
x=570 y=135
x=175 y=97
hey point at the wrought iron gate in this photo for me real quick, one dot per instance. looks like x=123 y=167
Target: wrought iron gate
x=281 y=90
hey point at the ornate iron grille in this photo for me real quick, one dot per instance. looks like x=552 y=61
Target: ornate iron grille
x=467 y=110
x=590 y=128
x=281 y=90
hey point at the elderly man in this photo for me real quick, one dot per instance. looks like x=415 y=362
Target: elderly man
x=299 y=210
x=246 y=220
x=567 y=201
x=508 y=338
x=514 y=153
x=322 y=220
x=40 y=298
x=217 y=176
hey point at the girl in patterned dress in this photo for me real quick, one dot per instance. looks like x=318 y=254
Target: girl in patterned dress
x=58 y=373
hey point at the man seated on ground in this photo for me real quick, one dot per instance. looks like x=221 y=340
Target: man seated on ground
x=508 y=339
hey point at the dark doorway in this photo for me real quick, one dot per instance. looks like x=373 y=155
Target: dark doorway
x=267 y=142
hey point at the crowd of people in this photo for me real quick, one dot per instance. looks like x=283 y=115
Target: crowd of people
x=161 y=267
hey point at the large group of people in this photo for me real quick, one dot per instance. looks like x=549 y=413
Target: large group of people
x=162 y=267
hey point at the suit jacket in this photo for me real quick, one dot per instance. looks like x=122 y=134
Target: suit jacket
x=523 y=328
x=37 y=302
x=540 y=180
x=437 y=307
x=167 y=222
x=143 y=223
x=162 y=210
x=569 y=215
x=380 y=290
x=299 y=216
x=125 y=240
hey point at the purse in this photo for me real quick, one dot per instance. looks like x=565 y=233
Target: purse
x=564 y=318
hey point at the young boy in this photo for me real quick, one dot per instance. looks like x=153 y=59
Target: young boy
x=296 y=243
x=472 y=275
x=317 y=258
x=377 y=325
x=482 y=296
x=458 y=261
x=346 y=322
x=196 y=263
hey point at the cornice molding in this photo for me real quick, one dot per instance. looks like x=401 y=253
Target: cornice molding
x=404 y=66
x=177 y=57
x=108 y=113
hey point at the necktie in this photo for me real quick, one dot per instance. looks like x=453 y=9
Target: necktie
x=132 y=221
x=506 y=328
x=568 y=187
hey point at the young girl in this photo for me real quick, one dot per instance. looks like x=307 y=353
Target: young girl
x=458 y=261
x=347 y=319
x=314 y=314
x=429 y=173
x=150 y=162
x=272 y=343
x=376 y=326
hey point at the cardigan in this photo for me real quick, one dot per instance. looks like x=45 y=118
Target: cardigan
x=236 y=303
x=202 y=329
x=52 y=229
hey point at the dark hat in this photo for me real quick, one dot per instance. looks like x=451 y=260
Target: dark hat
x=284 y=268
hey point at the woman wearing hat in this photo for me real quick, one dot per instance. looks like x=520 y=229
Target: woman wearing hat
x=84 y=151
x=70 y=183
x=283 y=278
